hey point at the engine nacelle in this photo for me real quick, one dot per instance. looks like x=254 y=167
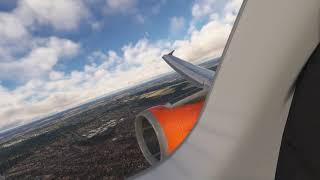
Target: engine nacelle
x=160 y=130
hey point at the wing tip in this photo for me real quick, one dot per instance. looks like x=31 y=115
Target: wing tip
x=171 y=53
x=165 y=57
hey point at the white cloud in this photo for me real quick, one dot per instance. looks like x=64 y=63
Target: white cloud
x=56 y=75
x=39 y=61
x=11 y=28
x=29 y=14
x=60 y=14
x=221 y=11
x=208 y=42
x=210 y=39
x=231 y=10
x=176 y=24
x=105 y=72
x=120 y=6
x=202 y=8
x=19 y=24
x=211 y=8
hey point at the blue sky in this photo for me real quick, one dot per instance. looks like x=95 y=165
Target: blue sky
x=57 y=54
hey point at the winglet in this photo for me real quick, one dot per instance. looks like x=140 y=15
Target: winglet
x=171 y=53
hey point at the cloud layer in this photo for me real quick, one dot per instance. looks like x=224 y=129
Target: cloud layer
x=39 y=61
x=44 y=89
x=30 y=14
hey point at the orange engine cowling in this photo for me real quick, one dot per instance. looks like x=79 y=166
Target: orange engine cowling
x=160 y=130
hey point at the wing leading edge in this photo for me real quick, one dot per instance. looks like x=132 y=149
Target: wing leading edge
x=197 y=75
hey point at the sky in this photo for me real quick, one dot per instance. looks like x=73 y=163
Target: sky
x=57 y=54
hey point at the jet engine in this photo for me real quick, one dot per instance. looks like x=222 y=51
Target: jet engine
x=160 y=129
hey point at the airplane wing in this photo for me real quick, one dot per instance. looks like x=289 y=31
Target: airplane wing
x=197 y=75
